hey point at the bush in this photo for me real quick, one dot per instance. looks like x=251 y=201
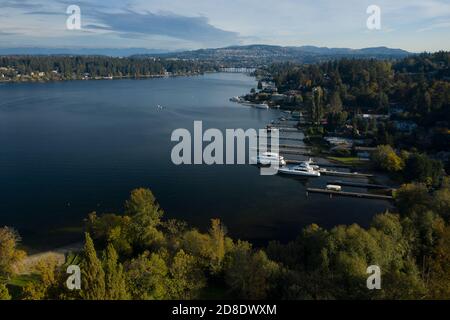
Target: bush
x=385 y=158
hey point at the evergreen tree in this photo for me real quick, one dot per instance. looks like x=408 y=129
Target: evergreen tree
x=115 y=285
x=217 y=235
x=92 y=274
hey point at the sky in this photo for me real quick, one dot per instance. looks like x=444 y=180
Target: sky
x=413 y=25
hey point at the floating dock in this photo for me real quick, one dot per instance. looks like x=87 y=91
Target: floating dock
x=345 y=174
x=295 y=152
x=289 y=146
x=360 y=185
x=292 y=161
x=332 y=193
x=290 y=139
x=288 y=129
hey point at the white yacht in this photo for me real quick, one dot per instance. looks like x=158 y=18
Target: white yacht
x=268 y=158
x=310 y=163
x=303 y=169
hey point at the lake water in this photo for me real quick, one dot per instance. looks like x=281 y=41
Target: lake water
x=69 y=148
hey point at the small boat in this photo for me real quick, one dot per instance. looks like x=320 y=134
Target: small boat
x=261 y=106
x=302 y=169
x=268 y=158
x=333 y=187
x=236 y=99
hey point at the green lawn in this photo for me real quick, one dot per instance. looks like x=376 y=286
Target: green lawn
x=350 y=161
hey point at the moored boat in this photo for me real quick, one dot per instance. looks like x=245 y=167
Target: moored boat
x=302 y=169
x=269 y=158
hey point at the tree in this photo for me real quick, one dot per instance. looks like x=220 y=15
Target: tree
x=316 y=105
x=441 y=203
x=439 y=284
x=4 y=294
x=336 y=102
x=421 y=168
x=349 y=251
x=336 y=120
x=403 y=283
x=45 y=287
x=145 y=218
x=385 y=158
x=249 y=274
x=217 y=234
x=412 y=198
x=92 y=273
x=186 y=278
x=147 y=277
x=111 y=228
x=115 y=285
x=10 y=256
x=142 y=201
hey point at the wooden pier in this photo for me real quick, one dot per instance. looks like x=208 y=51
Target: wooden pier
x=332 y=193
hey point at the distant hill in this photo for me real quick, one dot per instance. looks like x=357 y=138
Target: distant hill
x=112 y=52
x=251 y=55
x=266 y=54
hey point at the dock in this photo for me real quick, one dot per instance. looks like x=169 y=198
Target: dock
x=295 y=152
x=331 y=193
x=360 y=185
x=287 y=129
x=345 y=174
x=331 y=165
x=289 y=146
x=290 y=139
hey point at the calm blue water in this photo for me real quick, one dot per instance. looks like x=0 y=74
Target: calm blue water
x=69 y=148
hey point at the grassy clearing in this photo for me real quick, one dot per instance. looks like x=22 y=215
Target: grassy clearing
x=350 y=161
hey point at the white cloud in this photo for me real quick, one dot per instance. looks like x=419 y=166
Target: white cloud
x=223 y=22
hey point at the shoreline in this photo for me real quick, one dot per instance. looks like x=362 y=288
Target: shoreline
x=144 y=77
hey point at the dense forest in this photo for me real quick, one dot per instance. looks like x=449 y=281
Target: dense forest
x=414 y=91
x=18 y=68
x=420 y=83
x=139 y=254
